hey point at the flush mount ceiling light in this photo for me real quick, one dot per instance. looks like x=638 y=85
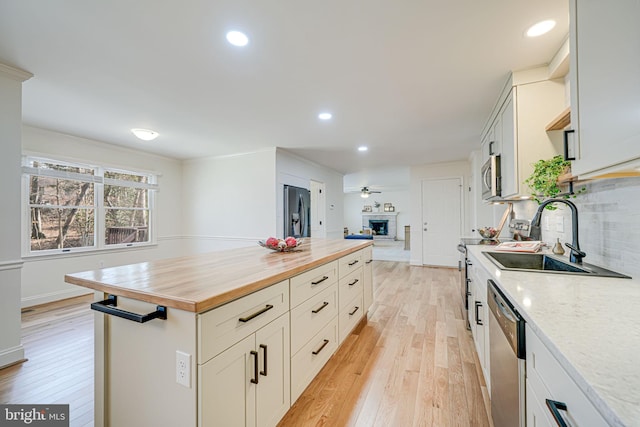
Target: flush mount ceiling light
x=145 y=134
x=325 y=116
x=363 y=148
x=237 y=38
x=541 y=28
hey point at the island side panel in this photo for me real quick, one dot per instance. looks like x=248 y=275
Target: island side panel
x=136 y=368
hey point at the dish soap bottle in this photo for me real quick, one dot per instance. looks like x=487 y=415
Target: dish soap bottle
x=557 y=248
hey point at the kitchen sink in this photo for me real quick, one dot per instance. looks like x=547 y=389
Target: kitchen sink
x=544 y=263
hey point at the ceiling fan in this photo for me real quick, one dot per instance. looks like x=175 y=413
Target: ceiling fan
x=365 y=192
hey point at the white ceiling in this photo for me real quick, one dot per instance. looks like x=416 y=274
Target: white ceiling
x=413 y=80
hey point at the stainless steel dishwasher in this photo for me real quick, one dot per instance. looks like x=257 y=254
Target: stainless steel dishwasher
x=507 y=363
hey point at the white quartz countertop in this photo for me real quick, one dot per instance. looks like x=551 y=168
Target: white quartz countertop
x=590 y=324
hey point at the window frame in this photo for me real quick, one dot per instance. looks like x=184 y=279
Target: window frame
x=99 y=181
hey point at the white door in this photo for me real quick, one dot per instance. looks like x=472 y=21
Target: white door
x=318 y=212
x=441 y=221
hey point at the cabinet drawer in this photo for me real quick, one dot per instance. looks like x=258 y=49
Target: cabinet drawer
x=546 y=373
x=349 y=317
x=350 y=263
x=310 y=316
x=306 y=364
x=350 y=286
x=220 y=328
x=309 y=283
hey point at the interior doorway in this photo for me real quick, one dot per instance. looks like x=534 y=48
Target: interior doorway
x=441 y=221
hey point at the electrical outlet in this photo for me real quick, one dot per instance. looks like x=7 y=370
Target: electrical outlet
x=183 y=369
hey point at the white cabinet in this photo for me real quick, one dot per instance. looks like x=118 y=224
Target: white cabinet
x=548 y=381
x=248 y=383
x=367 y=256
x=605 y=84
x=479 y=314
x=528 y=102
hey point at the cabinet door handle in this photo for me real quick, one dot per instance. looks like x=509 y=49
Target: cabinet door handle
x=478 y=305
x=555 y=407
x=491 y=153
x=320 y=281
x=253 y=353
x=352 y=263
x=354 y=311
x=314 y=352
x=256 y=314
x=109 y=306
x=317 y=310
x=568 y=156
x=354 y=282
x=264 y=348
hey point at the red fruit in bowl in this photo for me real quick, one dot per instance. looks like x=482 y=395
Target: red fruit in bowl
x=271 y=241
x=291 y=242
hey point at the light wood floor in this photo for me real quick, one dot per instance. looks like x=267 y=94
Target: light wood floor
x=413 y=363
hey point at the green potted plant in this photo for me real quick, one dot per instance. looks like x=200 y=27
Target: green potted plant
x=543 y=181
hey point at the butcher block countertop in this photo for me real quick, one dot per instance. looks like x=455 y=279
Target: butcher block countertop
x=201 y=282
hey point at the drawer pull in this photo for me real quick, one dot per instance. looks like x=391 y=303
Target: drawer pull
x=354 y=311
x=354 y=282
x=256 y=314
x=478 y=305
x=555 y=407
x=108 y=306
x=264 y=372
x=317 y=310
x=352 y=263
x=324 y=344
x=320 y=281
x=369 y=262
x=253 y=353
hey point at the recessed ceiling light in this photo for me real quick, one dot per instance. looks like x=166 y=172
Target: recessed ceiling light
x=237 y=38
x=363 y=148
x=324 y=116
x=145 y=134
x=541 y=28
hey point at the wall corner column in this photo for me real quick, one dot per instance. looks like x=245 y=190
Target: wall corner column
x=11 y=350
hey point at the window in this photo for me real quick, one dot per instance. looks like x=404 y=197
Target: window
x=70 y=204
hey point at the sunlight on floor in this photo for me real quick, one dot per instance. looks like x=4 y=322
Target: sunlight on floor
x=390 y=250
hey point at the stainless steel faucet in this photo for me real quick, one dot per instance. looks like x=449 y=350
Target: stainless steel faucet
x=576 y=254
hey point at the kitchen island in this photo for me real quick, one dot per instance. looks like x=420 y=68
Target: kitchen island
x=583 y=334
x=234 y=337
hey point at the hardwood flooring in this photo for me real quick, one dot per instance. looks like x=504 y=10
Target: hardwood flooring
x=412 y=364
x=58 y=343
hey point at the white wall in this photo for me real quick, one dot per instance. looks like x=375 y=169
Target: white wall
x=429 y=171
x=297 y=171
x=229 y=201
x=43 y=277
x=353 y=204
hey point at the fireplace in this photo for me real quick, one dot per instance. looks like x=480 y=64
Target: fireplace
x=379 y=226
x=383 y=224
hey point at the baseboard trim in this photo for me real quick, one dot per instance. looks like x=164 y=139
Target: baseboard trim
x=12 y=356
x=53 y=296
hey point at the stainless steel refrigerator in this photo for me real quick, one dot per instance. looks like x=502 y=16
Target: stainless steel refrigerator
x=297 y=209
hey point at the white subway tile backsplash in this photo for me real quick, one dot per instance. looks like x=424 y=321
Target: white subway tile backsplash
x=609 y=223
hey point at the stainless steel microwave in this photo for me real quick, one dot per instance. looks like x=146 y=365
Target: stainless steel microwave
x=491 y=178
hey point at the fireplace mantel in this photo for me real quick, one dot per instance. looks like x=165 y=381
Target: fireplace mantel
x=379 y=213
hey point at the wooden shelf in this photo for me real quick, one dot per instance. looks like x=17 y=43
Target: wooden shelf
x=561 y=121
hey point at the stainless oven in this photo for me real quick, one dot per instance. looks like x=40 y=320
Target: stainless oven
x=491 y=178
x=464 y=283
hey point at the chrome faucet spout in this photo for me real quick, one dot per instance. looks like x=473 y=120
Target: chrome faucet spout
x=576 y=254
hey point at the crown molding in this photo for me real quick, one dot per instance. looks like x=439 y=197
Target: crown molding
x=14 y=73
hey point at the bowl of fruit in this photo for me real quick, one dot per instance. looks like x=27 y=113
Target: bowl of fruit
x=281 y=245
x=488 y=232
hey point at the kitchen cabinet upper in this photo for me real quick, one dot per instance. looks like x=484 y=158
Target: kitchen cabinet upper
x=605 y=85
x=528 y=102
